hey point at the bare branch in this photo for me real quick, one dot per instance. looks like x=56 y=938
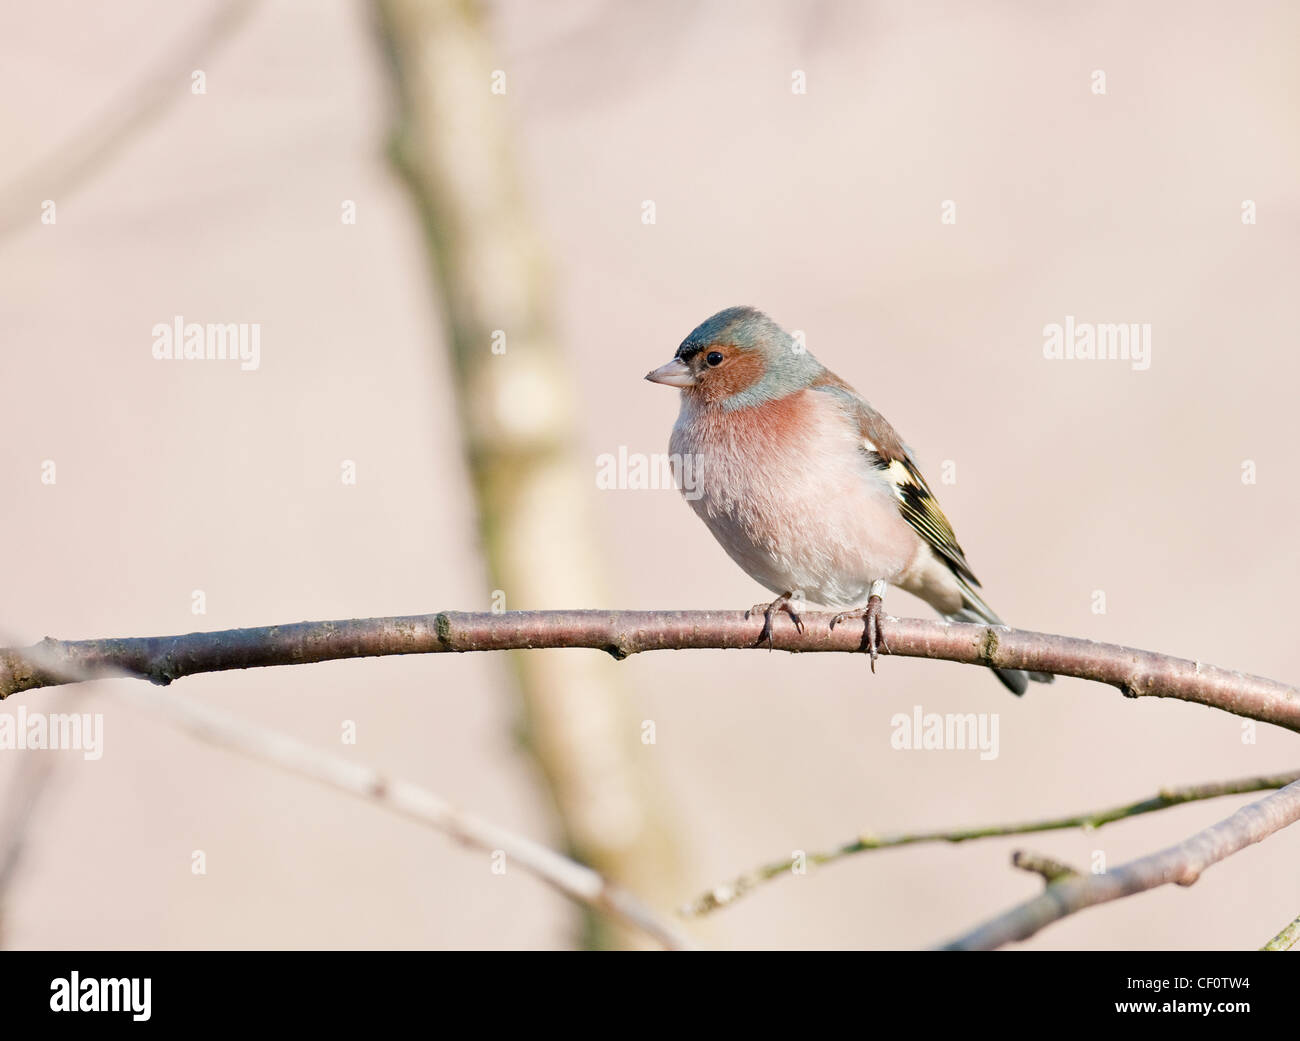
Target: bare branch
x=573 y=880
x=729 y=892
x=1182 y=864
x=621 y=633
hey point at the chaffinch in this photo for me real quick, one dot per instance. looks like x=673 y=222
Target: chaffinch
x=807 y=487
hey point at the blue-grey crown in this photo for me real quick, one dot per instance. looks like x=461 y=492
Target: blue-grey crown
x=789 y=366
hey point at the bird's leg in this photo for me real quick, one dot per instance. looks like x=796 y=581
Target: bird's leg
x=873 y=635
x=781 y=603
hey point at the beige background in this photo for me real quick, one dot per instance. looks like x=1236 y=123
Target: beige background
x=822 y=209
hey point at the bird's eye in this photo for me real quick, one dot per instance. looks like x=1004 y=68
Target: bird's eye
x=714 y=357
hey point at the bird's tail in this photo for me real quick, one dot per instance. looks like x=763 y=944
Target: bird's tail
x=974 y=609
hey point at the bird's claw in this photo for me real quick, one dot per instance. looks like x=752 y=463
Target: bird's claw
x=781 y=603
x=873 y=635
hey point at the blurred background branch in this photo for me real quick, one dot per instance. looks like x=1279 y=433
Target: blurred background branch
x=91 y=149
x=452 y=144
x=580 y=884
x=23 y=793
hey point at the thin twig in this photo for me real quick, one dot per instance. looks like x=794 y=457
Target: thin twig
x=1052 y=870
x=1286 y=939
x=573 y=880
x=729 y=892
x=1182 y=864
x=621 y=633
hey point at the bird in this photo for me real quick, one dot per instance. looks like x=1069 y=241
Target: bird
x=807 y=487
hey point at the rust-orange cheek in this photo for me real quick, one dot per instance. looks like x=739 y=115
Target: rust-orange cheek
x=739 y=372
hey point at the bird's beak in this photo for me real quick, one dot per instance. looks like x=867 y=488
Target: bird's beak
x=675 y=374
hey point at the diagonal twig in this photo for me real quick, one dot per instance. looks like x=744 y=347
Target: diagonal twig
x=729 y=892
x=573 y=880
x=1286 y=939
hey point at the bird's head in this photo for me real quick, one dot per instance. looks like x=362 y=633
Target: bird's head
x=737 y=359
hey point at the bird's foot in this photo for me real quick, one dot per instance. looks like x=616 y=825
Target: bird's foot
x=781 y=603
x=873 y=635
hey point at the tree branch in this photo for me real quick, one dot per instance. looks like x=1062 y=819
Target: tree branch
x=729 y=892
x=621 y=633
x=1182 y=864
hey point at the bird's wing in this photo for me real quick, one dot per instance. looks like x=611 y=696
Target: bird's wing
x=888 y=454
